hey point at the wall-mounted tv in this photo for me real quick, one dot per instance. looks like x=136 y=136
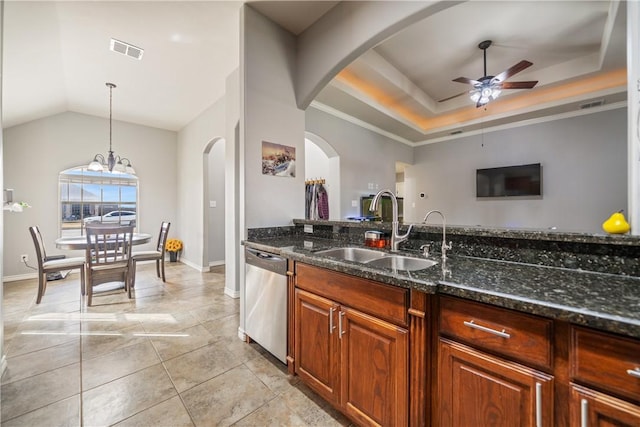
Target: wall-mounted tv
x=522 y=180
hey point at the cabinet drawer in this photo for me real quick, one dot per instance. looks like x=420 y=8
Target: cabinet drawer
x=515 y=335
x=606 y=362
x=383 y=301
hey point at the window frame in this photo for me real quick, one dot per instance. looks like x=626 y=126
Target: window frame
x=83 y=193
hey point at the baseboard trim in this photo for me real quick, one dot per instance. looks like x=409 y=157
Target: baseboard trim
x=231 y=293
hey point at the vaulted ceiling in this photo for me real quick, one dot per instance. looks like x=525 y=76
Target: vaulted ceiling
x=57 y=58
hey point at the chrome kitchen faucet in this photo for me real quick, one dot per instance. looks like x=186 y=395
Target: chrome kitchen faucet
x=396 y=238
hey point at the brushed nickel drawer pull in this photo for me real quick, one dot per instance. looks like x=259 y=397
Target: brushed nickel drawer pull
x=634 y=372
x=331 y=326
x=584 y=413
x=340 y=324
x=474 y=325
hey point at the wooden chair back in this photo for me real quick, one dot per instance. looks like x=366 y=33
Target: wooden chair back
x=108 y=245
x=107 y=256
x=39 y=244
x=162 y=237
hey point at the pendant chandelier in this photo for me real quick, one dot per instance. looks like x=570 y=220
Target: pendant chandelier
x=112 y=162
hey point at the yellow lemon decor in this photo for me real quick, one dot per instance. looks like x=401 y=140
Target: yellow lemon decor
x=616 y=224
x=174 y=245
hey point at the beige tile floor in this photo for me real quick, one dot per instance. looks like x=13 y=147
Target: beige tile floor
x=169 y=357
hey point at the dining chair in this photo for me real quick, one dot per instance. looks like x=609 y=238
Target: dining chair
x=54 y=264
x=107 y=256
x=156 y=255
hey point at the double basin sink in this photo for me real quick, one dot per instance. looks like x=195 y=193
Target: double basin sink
x=378 y=259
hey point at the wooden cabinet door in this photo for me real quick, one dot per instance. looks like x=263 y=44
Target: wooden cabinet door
x=374 y=369
x=590 y=408
x=316 y=344
x=476 y=389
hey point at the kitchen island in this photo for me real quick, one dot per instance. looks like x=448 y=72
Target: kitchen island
x=454 y=312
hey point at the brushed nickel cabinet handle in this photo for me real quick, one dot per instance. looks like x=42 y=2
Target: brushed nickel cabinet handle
x=538 y=405
x=331 y=326
x=340 y=324
x=584 y=413
x=634 y=372
x=474 y=325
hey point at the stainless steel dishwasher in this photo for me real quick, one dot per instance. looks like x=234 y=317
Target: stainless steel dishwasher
x=266 y=301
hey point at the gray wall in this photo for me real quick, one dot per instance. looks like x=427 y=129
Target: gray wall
x=36 y=152
x=193 y=141
x=584 y=166
x=216 y=172
x=365 y=157
x=270 y=114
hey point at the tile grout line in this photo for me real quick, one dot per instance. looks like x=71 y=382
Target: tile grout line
x=80 y=346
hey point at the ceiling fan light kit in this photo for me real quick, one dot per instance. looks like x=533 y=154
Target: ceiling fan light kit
x=488 y=88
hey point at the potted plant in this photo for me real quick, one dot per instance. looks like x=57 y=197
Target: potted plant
x=173 y=246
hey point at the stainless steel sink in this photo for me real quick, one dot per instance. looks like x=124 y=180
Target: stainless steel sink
x=352 y=254
x=399 y=262
x=378 y=259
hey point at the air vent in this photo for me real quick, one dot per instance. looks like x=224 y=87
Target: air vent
x=591 y=104
x=126 y=49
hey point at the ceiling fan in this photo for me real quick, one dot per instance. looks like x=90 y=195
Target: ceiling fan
x=488 y=88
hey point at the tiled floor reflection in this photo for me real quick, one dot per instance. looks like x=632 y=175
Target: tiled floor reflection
x=169 y=357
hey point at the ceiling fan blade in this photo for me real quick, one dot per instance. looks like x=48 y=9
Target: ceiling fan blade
x=466 y=80
x=512 y=71
x=519 y=85
x=454 y=96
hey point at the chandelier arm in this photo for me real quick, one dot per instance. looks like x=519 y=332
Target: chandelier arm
x=99 y=162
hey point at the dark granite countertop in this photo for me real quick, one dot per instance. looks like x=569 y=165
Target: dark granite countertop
x=608 y=302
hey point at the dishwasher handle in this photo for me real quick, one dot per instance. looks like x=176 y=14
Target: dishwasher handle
x=266 y=260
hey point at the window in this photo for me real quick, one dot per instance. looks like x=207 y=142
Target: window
x=88 y=196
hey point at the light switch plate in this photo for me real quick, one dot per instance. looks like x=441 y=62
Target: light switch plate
x=213 y=203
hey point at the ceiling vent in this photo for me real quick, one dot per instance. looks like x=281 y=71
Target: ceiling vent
x=126 y=49
x=591 y=104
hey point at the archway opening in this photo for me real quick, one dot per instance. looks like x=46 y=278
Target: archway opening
x=322 y=162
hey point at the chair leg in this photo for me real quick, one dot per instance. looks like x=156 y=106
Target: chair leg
x=42 y=285
x=82 y=281
x=131 y=277
x=158 y=268
x=161 y=261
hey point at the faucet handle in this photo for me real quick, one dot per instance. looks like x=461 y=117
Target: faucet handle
x=425 y=250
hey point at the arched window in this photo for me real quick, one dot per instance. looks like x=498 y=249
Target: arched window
x=88 y=196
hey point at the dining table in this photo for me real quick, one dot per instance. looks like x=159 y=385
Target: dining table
x=80 y=242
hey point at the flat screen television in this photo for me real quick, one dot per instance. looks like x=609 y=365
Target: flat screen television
x=522 y=180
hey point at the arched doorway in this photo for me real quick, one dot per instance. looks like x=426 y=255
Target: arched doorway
x=214 y=203
x=323 y=162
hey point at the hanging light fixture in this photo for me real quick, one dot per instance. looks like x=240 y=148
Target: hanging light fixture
x=112 y=162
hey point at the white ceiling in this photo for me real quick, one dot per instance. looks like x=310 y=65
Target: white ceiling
x=56 y=59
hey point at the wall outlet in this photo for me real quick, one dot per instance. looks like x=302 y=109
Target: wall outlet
x=308 y=228
x=24 y=258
